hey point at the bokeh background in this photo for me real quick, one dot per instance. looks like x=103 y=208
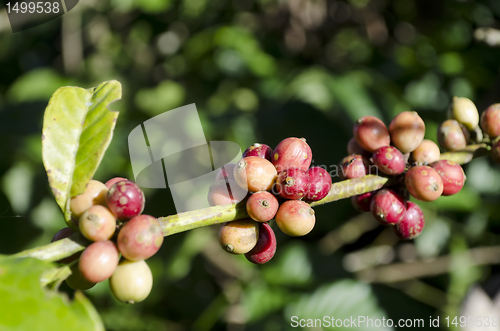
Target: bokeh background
x=261 y=71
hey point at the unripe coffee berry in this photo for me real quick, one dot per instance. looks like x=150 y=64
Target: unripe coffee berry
x=131 y=282
x=426 y=153
x=354 y=166
x=363 y=201
x=452 y=174
x=424 y=183
x=262 y=206
x=140 y=238
x=112 y=181
x=98 y=261
x=295 y=218
x=490 y=121
x=265 y=248
x=220 y=194
x=452 y=136
x=95 y=194
x=239 y=237
x=371 y=133
x=97 y=223
x=465 y=112
x=76 y=280
x=259 y=150
x=225 y=173
x=292 y=183
x=320 y=184
x=412 y=224
x=388 y=207
x=407 y=131
x=292 y=153
x=125 y=200
x=389 y=160
x=255 y=174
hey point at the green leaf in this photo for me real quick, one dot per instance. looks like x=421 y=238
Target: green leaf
x=291 y=267
x=26 y=306
x=77 y=129
x=260 y=300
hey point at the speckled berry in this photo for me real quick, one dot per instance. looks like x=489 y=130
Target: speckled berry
x=320 y=184
x=259 y=150
x=140 y=238
x=424 y=183
x=292 y=153
x=265 y=248
x=389 y=160
x=388 y=207
x=412 y=224
x=292 y=183
x=452 y=174
x=354 y=166
x=125 y=200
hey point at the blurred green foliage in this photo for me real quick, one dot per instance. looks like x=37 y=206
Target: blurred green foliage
x=260 y=71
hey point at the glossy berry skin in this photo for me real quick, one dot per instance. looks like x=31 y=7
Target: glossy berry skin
x=140 y=238
x=112 y=181
x=452 y=136
x=295 y=218
x=239 y=237
x=389 y=160
x=125 y=200
x=465 y=112
x=255 y=174
x=412 y=224
x=259 y=150
x=262 y=206
x=292 y=183
x=354 y=148
x=218 y=194
x=495 y=152
x=320 y=184
x=353 y=166
x=76 y=280
x=363 y=201
x=371 y=133
x=407 y=131
x=292 y=153
x=452 y=174
x=226 y=172
x=131 y=282
x=388 y=207
x=265 y=248
x=98 y=261
x=424 y=183
x=95 y=194
x=426 y=153
x=61 y=234
x=490 y=121
x=97 y=223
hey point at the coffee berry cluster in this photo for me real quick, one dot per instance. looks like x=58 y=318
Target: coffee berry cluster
x=276 y=184
x=109 y=215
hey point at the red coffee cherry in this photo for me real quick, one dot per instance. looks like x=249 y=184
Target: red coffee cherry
x=426 y=153
x=97 y=223
x=354 y=148
x=363 y=201
x=219 y=193
x=262 y=206
x=112 y=181
x=76 y=280
x=452 y=174
x=225 y=173
x=98 y=261
x=265 y=248
x=353 y=166
x=412 y=223
x=495 y=152
x=295 y=218
x=259 y=150
x=95 y=194
x=465 y=112
x=125 y=200
x=371 y=133
x=292 y=153
x=424 y=183
x=239 y=237
x=61 y=234
x=292 y=183
x=389 y=160
x=140 y=238
x=452 y=136
x=490 y=121
x=388 y=207
x=255 y=174
x=320 y=184
x=407 y=131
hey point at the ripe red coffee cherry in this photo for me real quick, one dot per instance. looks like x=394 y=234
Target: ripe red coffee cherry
x=354 y=148
x=125 y=200
x=426 y=153
x=389 y=160
x=255 y=174
x=320 y=184
x=225 y=173
x=219 y=193
x=112 y=181
x=239 y=237
x=76 y=280
x=495 y=152
x=140 y=238
x=388 y=207
x=98 y=261
x=452 y=136
x=452 y=174
x=131 y=282
x=363 y=201
x=292 y=153
x=262 y=206
x=292 y=183
x=353 y=166
x=61 y=234
x=465 y=112
x=295 y=218
x=97 y=223
x=265 y=248
x=424 y=183
x=259 y=150
x=371 y=133
x=95 y=194
x=490 y=121
x=412 y=223
x=407 y=131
